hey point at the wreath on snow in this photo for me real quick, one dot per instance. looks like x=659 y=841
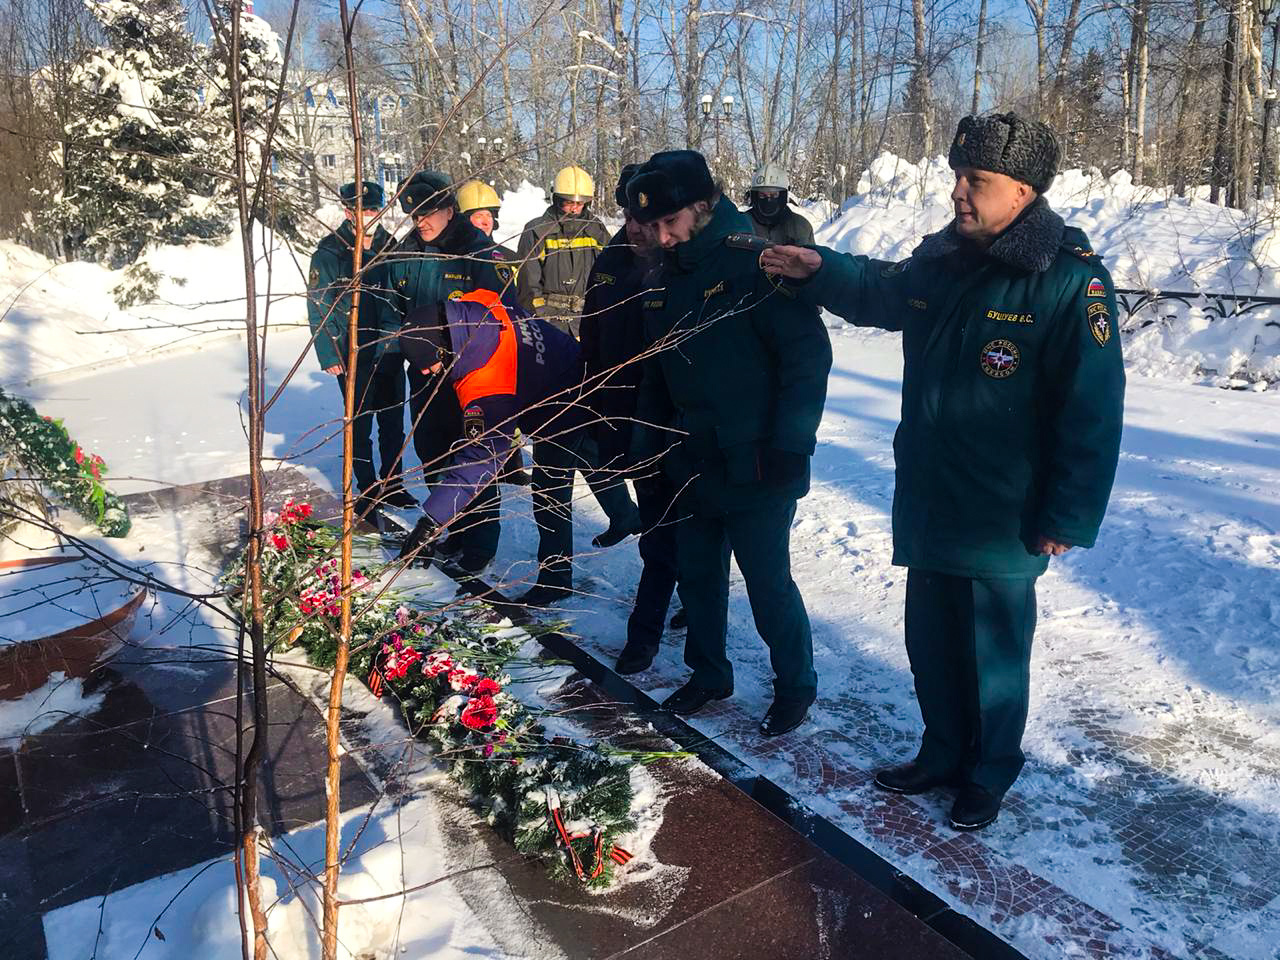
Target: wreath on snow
x=39 y=457
x=561 y=800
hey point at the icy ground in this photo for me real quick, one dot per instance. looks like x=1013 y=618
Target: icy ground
x=1154 y=741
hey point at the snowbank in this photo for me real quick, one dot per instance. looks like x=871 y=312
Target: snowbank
x=61 y=317
x=1149 y=239
x=395 y=849
x=519 y=206
x=40 y=709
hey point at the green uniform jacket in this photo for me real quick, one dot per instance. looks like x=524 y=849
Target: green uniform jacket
x=556 y=255
x=791 y=227
x=329 y=297
x=1012 y=391
x=461 y=259
x=742 y=369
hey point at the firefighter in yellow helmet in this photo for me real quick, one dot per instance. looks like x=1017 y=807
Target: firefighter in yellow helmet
x=558 y=250
x=479 y=203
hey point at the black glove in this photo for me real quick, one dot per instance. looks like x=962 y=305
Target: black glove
x=419 y=547
x=783 y=466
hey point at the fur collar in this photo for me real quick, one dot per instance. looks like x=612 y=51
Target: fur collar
x=1031 y=244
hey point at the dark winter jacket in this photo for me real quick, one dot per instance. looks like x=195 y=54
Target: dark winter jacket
x=789 y=227
x=460 y=260
x=612 y=333
x=555 y=257
x=741 y=376
x=1012 y=391
x=329 y=297
x=508 y=370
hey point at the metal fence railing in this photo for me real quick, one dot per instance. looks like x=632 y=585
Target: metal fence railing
x=1221 y=305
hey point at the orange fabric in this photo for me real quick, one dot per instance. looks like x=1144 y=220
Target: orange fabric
x=498 y=376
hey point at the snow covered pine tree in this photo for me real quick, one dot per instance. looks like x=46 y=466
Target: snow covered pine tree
x=284 y=206
x=142 y=154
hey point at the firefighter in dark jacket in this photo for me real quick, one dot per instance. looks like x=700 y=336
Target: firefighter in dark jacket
x=558 y=249
x=771 y=218
x=443 y=257
x=739 y=377
x=379 y=386
x=1012 y=401
x=505 y=370
x=613 y=345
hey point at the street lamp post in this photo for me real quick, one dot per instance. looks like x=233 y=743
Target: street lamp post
x=725 y=116
x=1269 y=95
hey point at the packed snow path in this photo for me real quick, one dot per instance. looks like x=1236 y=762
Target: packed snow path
x=1147 y=822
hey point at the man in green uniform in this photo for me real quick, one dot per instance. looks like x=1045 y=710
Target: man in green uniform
x=738 y=379
x=1012 y=400
x=379 y=371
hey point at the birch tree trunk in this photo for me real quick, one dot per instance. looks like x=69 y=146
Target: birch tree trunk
x=978 y=51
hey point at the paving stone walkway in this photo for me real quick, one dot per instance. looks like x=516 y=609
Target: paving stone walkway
x=1179 y=844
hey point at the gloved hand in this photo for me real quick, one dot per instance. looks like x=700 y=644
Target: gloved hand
x=783 y=466
x=420 y=546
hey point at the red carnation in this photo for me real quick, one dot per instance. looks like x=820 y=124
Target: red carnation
x=304 y=510
x=79 y=455
x=279 y=541
x=480 y=713
x=486 y=688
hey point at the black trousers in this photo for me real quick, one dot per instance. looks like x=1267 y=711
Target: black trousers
x=437 y=421
x=969 y=643
x=380 y=397
x=658 y=522
x=554 y=463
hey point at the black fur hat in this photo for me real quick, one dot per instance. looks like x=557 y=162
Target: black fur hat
x=1026 y=150
x=426 y=192
x=624 y=177
x=667 y=182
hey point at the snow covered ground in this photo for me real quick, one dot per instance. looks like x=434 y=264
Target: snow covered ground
x=1154 y=741
x=1155 y=675
x=194 y=910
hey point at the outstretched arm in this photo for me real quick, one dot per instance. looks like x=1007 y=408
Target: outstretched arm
x=866 y=292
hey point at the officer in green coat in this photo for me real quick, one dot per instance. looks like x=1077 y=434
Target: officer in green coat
x=1012 y=400
x=441 y=258
x=738 y=379
x=380 y=378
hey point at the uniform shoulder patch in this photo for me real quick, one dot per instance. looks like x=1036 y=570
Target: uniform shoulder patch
x=473 y=422
x=1099 y=319
x=1096 y=288
x=893 y=269
x=313 y=278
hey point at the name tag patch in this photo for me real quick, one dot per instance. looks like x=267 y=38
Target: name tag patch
x=917 y=304
x=655 y=304
x=1011 y=317
x=712 y=291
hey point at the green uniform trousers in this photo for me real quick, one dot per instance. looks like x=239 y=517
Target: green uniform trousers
x=969 y=643
x=760 y=539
